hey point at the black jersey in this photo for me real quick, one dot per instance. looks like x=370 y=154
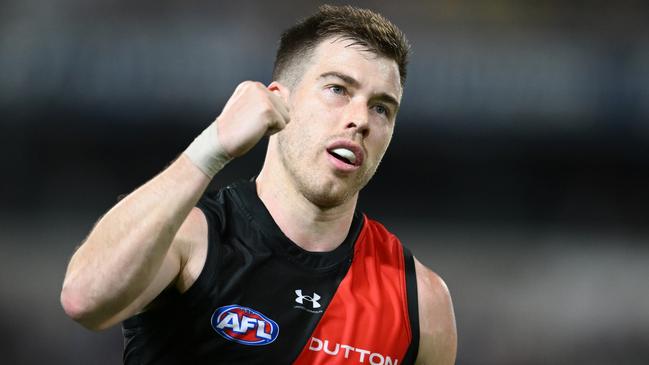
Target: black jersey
x=261 y=299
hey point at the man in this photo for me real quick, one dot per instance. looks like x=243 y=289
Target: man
x=281 y=269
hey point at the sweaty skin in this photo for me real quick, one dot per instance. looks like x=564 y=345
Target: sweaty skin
x=154 y=238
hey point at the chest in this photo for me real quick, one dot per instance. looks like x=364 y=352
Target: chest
x=264 y=305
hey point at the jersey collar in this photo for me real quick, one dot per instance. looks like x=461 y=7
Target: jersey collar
x=258 y=214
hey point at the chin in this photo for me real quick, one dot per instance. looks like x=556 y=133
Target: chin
x=327 y=200
x=331 y=193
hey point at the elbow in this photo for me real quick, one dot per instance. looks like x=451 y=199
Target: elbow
x=79 y=308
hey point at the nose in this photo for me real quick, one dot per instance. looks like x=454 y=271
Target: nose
x=357 y=117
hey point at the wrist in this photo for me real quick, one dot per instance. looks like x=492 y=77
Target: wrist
x=207 y=153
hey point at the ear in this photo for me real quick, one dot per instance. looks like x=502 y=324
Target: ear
x=280 y=90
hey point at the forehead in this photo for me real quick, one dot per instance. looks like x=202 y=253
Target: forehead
x=379 y=73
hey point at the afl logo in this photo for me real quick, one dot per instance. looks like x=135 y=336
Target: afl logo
x=244 y=325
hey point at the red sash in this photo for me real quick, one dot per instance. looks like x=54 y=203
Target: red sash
x=367 y=320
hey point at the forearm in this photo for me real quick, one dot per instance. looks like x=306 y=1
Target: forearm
x=127 y=247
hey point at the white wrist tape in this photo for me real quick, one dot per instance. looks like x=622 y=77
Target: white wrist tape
x=206 y=152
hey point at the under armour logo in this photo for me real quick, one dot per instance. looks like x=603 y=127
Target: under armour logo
x=301 y=298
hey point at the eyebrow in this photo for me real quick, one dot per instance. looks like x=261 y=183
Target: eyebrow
x=384 y=97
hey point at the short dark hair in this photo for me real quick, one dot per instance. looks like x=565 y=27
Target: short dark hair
x=365 y=27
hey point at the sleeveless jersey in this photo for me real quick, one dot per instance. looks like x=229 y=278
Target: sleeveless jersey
x=261 y=299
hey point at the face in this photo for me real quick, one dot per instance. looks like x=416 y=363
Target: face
x=342 y=113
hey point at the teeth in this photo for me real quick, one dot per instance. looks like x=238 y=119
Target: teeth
x=346 y=154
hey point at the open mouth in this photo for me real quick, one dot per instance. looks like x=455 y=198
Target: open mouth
x=344 y=155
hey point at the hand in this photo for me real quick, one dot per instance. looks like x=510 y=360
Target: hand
x=252 y=112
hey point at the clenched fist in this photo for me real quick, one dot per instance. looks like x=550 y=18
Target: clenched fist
x=252 y=112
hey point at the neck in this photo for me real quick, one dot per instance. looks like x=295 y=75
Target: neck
x=311 y=227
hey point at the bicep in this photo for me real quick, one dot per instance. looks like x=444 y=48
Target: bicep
x=438 y=333
x=180 y=267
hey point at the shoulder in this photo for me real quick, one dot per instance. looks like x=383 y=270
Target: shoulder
x=438 y=333
x=376 y=231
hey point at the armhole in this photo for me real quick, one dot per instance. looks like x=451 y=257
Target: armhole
x=198 y=290
x=413 y=306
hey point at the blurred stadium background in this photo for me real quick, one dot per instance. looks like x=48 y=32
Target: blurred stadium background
x=519 y=170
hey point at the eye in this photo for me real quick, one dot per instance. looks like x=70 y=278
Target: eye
x=382 y=110
x=337 y=89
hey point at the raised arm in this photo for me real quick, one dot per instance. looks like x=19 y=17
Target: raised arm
x=438 y=333
x=148 y=241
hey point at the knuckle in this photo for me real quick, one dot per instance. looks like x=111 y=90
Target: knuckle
x=248 y=86
x=268 y=114
x=244 y=84
x=267 y=106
